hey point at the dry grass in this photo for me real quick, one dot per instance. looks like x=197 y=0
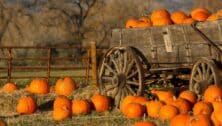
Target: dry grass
x=43 y=116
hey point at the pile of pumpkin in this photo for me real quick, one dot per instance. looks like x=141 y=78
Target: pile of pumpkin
x=161 y=17
x=63 y=106
x=184 y=110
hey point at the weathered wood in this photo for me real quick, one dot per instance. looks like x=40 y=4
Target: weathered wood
x=94 y=63
x=187 y=45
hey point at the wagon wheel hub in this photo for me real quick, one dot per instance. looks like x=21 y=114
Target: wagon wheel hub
x=119 y=80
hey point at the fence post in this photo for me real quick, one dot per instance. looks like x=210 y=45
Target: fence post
x=49 y=64
x=9 y=64
x=94 y=64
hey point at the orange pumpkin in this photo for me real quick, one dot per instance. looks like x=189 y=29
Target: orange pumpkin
x=134 y=110
x=214 y=120
x=131 y=23
x=211 y=97
x=213 y=17
x=180 y=120
x=167 y=112
x=217 y=115
x=189 y=96
x=153 y=108
x=100 y=102
x=202 y=108
x=145 y=20
x=182 y=104
x=2 y=123
x=199 y=120
x=162 y=22
x=26 y=105
x=217 y=104
x=200 y=14
x=9 y=87
x=62 y=101
x=141 y=100
x=178 y=17
x=159 y=14
x=144 y=123
x=39 y=86
x=65 y=86
x=61 y=113
x=141 y=24
x=165 y=96
x=80 y=107
x=188 y=21
x=125 y=101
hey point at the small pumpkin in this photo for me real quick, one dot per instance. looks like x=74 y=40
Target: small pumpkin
x=178 y=17
x=80 y=107
x=131 y=23
x=62 y=101
x=203 y=108
x=200 y=14
x=144 y=123
x=128 y=99
x=61 y=113
x=159 y=14
x=26 y=105
x=100 y=102
x=189 y=95
x=167 y=112
x=65 y=86
x=153 y=108
x=180 y=120
x=9 y=87
x=183 y=105
x=211 y=97
x=199 y=120
x=134 y=110
x=188 y=21
x=38 y=86
x=165 y=96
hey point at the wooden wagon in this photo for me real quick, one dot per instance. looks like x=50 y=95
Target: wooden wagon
x=137 y=54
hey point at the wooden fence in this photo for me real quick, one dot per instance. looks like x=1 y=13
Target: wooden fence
x=46 y=56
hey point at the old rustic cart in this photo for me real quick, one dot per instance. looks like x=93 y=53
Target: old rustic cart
x=137 y=54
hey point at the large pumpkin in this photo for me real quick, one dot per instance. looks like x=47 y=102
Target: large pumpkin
x=26 y=105
x=39 y=86
x=183 y=105
x=165 y=96
x=65 y=86
x=9 y=87
x=80 y=107
x=128 y=99
x=100 y=102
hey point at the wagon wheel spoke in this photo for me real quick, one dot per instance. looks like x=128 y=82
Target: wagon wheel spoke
x=106 y=78
x=118 y=97
x=129 y=67
x=130 y=90
x=125 y=62
x=115 y=64
x=109 y=68
x=132 y=74
x=199 y=72
x=210 y=79
x=109 y=87
x=196 y=79
x=132 y=83
x=203 y=66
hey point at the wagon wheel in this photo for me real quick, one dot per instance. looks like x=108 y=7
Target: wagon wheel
x=121 y=74
x=204 y=73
